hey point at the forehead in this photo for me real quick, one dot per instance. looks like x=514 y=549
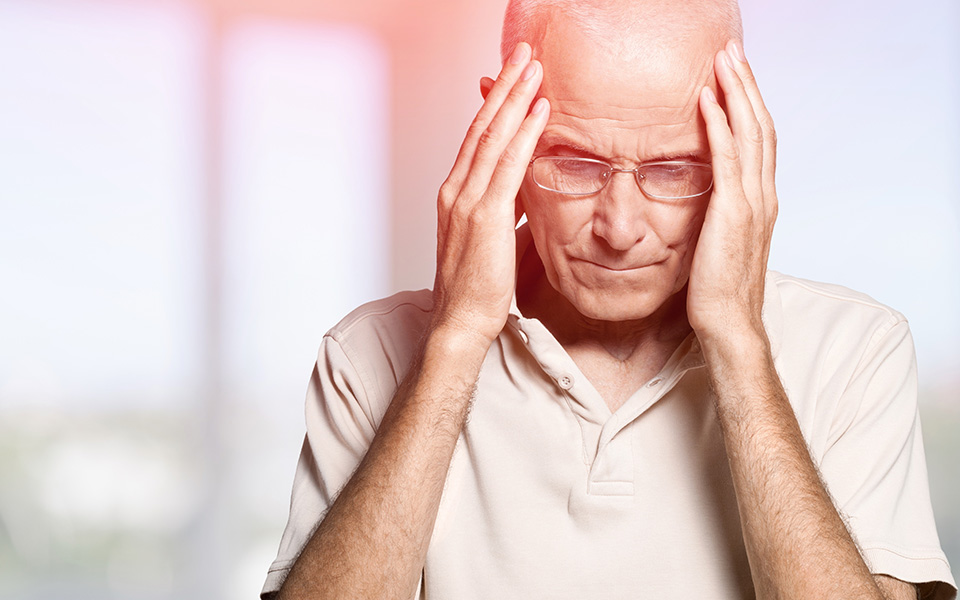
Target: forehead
x=624 y=96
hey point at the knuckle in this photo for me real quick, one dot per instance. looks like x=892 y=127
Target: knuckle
x=510 y=157
x=447 y=194
x=730 y=153
x=518 y=92
x=463 y=203
x=489 y=138
x=755 y=133
x=477 y=127
x=503 y=78
x=447 y=190
x=766 y=124
x=476 y=218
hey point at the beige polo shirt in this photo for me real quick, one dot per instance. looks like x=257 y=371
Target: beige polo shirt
x=549 y=495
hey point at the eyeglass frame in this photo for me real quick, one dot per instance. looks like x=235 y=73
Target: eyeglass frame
x=636 y=176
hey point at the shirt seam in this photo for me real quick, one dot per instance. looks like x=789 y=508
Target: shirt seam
x=875 y=340
x=845 y=298
x=278 y=566
x=338 y=333
x=348 y=324
x=934 y=555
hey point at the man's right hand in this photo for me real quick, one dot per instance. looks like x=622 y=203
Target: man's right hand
x=373 y=540
x=476 y=239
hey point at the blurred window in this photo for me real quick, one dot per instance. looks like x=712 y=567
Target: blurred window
x=119 y=476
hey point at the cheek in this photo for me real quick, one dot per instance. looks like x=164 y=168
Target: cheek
x=678 y=227
x=554 y=222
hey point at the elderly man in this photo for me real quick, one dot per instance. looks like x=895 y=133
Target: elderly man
x=651 y=413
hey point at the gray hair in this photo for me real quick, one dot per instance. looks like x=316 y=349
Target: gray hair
x=601 y=19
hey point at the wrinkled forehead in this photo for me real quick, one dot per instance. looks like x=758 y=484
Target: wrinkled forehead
x=662 y=51
x=647 y=81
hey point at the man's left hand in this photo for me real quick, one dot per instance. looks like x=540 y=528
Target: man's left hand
x=725 y=294
x=797 y=544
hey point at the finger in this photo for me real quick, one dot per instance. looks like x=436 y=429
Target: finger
x=506 y=80
x=744 y=126
x=486 y=84
x=760 y=110
x=727 y=181
x=512 y=166
x=500 y=133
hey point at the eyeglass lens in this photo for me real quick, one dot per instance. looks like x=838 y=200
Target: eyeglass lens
x=586 y=176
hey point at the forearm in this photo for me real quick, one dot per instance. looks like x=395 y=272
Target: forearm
x=373 y=541
x=797 y=543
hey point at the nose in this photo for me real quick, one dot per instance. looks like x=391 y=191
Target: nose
x=619 y=216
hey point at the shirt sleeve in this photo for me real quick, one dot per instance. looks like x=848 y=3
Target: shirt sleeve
x=340 y=428
x=876 y=469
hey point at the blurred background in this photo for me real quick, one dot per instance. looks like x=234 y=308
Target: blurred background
x=192 y=192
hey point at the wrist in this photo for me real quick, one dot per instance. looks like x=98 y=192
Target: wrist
x=465 y=326
x=444 y=378
x=730 y=338
x=738 y=362
x=452 y=346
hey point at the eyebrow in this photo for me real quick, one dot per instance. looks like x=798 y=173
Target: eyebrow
x=552 y=142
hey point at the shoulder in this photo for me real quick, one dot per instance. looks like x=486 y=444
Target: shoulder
x=398 y=315
x=812 y=308
x=843 y=357
x=830 y=332
x=379 y=340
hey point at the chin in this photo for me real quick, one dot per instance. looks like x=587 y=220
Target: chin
x=608 y=305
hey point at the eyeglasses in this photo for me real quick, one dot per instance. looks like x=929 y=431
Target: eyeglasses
x=665 y=180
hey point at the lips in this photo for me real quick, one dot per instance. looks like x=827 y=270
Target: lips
x=620 y=267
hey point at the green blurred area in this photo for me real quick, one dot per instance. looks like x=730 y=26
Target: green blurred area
x=110 y=506
x=940 y=419
x=105 y=506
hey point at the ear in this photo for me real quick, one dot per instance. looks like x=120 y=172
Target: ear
x=486 y=84
x=518 y=205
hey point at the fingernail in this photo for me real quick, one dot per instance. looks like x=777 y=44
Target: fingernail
x=539 y=106
x=738 y=51
x=725 y=57
x=708 y=93
x=529 y=72
x=519 y=54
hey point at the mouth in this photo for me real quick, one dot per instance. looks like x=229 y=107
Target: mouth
x=619 y=268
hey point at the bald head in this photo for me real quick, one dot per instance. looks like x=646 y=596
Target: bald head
x=626 y=27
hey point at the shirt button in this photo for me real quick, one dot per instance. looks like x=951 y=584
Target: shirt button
x=565 y=381
x=654 y=382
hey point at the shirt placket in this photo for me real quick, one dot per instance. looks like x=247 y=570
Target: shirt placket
x=607 y=447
